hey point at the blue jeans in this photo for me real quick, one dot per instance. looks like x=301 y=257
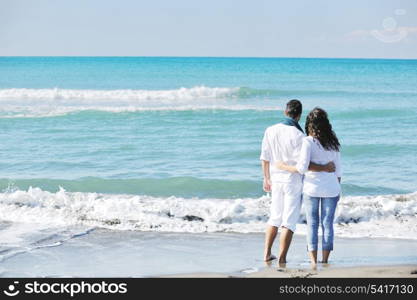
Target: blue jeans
x=327 y=207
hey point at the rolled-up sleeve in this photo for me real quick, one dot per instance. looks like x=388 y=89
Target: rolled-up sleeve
x=304 y=157
x=266 y=148
x=338 y=165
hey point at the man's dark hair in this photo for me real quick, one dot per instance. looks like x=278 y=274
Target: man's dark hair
x=294 y=108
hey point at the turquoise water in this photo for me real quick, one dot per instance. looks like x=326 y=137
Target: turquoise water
x=172 y=144
x=209 y=146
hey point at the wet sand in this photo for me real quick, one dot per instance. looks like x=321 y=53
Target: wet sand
x=104 y=253
x=399 y=271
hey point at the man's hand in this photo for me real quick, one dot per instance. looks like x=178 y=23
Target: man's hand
x=267 y=185
x=330 y=167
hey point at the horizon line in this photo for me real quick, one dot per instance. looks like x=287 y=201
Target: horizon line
x=198 y=56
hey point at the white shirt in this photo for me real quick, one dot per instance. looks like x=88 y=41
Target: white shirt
x=282 y=143
x=319 y=184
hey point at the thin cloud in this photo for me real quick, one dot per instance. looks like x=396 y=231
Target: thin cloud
x=385 y=35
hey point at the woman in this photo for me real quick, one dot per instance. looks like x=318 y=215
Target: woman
x=321 y=190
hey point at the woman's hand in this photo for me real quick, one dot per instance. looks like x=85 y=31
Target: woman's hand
x=283 y=166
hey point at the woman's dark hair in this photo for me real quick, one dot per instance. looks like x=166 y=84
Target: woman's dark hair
x=318 y=126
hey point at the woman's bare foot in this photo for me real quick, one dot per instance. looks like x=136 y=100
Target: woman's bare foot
x=282 y=261
x=269 y=257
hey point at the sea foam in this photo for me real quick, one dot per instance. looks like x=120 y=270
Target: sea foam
x=57 y=102
x=197 y=92
x=393 y=216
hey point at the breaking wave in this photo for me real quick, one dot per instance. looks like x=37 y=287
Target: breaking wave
x=393 y=216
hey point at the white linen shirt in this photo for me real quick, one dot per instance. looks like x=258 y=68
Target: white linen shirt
x=319 y=184
x=282 y=143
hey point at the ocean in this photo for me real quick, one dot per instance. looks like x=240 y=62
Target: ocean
x=172 y=144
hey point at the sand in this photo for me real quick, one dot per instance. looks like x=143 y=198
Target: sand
x=399 y=271
x=104 y=253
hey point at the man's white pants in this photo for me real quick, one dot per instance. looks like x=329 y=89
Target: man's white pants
x=285 y=205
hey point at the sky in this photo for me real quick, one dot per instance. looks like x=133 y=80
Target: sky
x=256 y=28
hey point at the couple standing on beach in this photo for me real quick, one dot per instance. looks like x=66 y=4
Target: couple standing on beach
x=298 y=168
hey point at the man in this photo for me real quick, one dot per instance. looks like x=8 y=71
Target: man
x=282 y=143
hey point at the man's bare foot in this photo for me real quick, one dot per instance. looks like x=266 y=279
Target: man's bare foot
x=282 y=265
x=269 y=257
x=324 y=264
